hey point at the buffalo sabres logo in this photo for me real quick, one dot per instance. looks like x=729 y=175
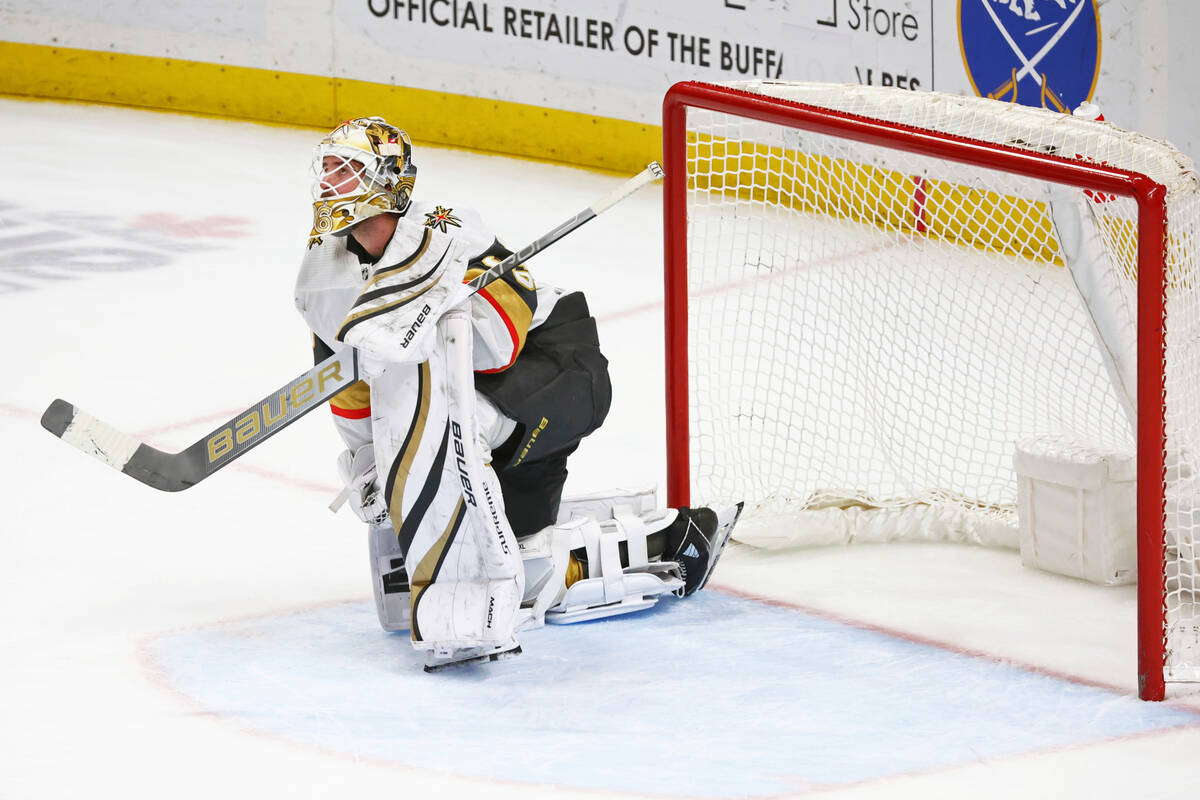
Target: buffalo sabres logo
x=441 y=217
x=1034 y=52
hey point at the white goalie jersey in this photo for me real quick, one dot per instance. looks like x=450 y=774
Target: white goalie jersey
x=336 y=273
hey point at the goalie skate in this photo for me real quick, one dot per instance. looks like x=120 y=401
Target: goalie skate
x=439 y=660
x=696 y=540
x=585 y=569
x=641 y=587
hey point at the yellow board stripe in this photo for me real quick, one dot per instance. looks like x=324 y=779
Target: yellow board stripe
x=867 y=194
x=223 y=90
x=321 y=102
x=897 y=202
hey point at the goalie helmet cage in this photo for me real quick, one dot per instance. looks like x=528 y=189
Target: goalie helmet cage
x=868 y=306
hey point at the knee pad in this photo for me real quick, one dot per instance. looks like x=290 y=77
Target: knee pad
x=609 y=503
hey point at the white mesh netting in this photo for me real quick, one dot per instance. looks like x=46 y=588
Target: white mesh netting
x=871 y=332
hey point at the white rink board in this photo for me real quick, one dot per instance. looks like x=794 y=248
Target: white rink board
x=616 y=58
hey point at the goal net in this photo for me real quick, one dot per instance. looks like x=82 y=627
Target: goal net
x=874 y=296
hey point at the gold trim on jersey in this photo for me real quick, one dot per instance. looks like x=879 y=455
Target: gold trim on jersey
x=510 y=304
x=354 y=397
x=412 y=444
x=426 y=572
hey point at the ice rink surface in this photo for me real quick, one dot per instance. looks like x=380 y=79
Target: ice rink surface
x=222 y=642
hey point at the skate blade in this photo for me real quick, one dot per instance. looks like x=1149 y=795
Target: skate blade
x=485 y=658
x=722 y=540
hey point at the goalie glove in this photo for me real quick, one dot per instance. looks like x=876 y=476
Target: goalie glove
x=358 y=473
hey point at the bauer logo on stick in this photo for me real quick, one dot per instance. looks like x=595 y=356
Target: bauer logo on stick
x=1034 y=52
x=246 y=430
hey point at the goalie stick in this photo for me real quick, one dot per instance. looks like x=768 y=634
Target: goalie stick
x=173 y=472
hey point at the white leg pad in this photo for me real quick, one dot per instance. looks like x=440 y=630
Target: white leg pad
x=450 y=615
x=635 y=539
x=467 y=579
x=609 y=503
x=389 y=580
x=609 y=589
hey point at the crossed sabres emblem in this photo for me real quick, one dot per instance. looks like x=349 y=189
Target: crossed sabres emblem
x=1027 y=67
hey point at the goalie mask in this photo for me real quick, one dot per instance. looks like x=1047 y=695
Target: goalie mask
x=362 y=169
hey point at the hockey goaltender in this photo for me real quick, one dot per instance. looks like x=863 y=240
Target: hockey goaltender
x=458 y=434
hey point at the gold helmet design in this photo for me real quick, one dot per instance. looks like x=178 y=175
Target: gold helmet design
x=363 y=168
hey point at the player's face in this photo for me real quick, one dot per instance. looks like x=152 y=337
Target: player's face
x=340 y=177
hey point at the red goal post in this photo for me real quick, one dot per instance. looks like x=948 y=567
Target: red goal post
x=1151 y=241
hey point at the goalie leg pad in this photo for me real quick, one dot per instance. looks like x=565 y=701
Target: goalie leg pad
x=389 y=578
x=607 y=587
x=466 y=572
x=464 y=616
x=607 y=504
x=665 y=552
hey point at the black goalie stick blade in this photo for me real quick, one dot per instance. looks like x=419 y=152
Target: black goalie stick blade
x=166 y=471
x=57 y=417
x=173 y=472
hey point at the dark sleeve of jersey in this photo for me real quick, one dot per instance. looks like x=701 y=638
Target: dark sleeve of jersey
x=558 y=390
x=353 y=402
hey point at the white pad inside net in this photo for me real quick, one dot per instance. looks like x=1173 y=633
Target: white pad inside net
x=871 y=332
